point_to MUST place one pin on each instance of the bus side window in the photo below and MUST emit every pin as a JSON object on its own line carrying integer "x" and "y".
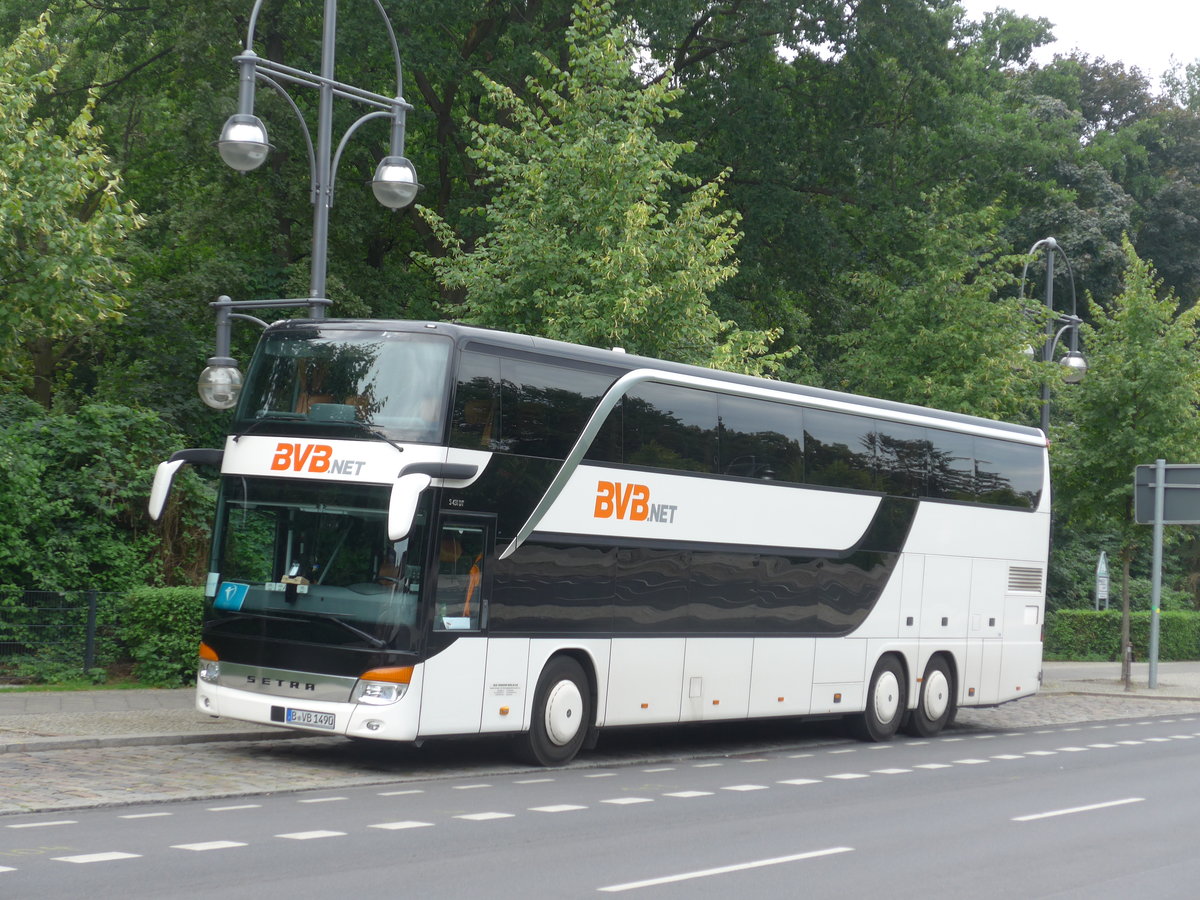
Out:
{"x": 458, "y": 597}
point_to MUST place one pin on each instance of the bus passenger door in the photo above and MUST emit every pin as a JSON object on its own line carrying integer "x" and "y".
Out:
{"x": 451, "y": 693}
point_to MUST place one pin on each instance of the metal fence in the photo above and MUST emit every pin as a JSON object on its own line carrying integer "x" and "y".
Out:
{"x": 56, "y": 629}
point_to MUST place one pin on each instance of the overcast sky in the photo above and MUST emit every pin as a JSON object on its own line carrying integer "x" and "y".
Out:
{"x": 1144, "y": 33}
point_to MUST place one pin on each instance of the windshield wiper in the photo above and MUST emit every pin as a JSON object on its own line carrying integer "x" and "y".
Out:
{"x": 270, "y": 417}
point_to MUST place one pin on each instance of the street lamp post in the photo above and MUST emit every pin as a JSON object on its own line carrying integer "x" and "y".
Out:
{"x": 1073, "y": 362}
{"x": 244, "y": 146}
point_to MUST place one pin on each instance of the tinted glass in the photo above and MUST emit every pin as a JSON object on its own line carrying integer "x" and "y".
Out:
{"x": 839, "y": 450}
{"x": 1008, "y": 474}
{"x": 670, "y": 427}
{"x": 951, "y": 466}
{"x": 475, "y": 422}
{"x": 761, "y": 439}
{"x": 392, "y": 380}
{"x": 902, "y": 458}
{"x": 545, "y": 407}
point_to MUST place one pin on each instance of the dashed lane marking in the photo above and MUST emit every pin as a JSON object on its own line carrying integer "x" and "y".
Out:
{"x": 533, "y": 781}
{"x": 627, "y": 801}
{"x": 890, "y": 771}
{"x": 321, "y": 799}
{"x": 154, "y": 815}
{"x": 43, "y": 824}
{"x": 969, "y": 762}
{"x": 209, "y": 845}
{"x": 1008, "y": 756}
{"x": 401, "y": 826}
{"x": 232, "y": 808}
{"x": 97, "y": 857}
{"x": 556, "y": 808}
{"x": 800, "y": 781}
{"x": 847, "y": 776}
{"x": 689, "y": 794}
{"x": 745, "y": 787}
{"x": 399, "y": 793}
{"x": 310, "y": 835}
{"x": 485, "y": 816}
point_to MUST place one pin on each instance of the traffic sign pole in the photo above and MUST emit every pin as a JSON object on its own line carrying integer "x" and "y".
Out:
{"x": 1160, "y": 491}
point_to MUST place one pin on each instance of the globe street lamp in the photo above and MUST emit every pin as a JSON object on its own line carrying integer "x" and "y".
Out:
{"x": 244, "y": 146}
{"x": 1073, "y": 362}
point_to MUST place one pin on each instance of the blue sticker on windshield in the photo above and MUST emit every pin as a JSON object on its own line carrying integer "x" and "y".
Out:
{"x": 231, "y": 596}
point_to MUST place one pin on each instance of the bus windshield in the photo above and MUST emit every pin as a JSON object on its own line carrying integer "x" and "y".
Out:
{"x": 316, "y": 558}
{"x": 392, "y": 380}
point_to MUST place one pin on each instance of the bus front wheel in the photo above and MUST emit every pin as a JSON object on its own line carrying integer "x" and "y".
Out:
{"x": 885, "y": 703}
{"x": 935, "y": 707}
{"x": 562, "y": 711}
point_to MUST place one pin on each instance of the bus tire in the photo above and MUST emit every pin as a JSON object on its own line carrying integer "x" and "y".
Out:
{"x": 562, "y": 714}
{"x": 935, "y": 707}
{"x": 885, "y": 703}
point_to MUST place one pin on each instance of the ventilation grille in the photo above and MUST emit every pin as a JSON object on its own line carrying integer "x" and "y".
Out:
{"x": 1025, "y": 579}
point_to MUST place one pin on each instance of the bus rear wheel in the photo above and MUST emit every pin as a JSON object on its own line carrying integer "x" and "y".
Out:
{"x": 885, "y": 703}
{"x": 935, "y": 707}
{"x": 562, "y": 712}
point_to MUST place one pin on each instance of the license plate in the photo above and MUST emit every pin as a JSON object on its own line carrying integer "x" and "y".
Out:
{"x": 310, "y": 719}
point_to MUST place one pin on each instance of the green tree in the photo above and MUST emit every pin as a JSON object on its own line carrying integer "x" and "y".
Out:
{"x": 61, "y": 220}
{"x": 940, "y": 332}
{"x": 586, "y": 239}
{"x": 1140, "y": 402}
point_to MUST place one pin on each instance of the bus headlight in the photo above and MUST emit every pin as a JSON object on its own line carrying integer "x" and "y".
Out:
{"x": 210, "y": 665}
{"x": 379, "y": 687}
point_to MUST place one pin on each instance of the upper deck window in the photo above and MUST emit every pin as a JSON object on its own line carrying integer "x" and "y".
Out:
{"x": 329, "y": 377}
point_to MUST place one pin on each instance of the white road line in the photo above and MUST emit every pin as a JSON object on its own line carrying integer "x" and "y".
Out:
{"x": 401, "y": 826}
{"x": 951, "y": 740}
{"x": 626, "y": 801}
{"x": 310, "y": 835}
{"x": 984, "y": 737}
{"x": 1181, "y": 737}
{"x": 969, "y": 762}
{"x": 1157, "y": 740}
{"x": 1071, "y": 749}
{"x": 1008, "y": 756}
{"x": 43, "y": 824}
{"x": 660, "y": 769}
{"x": 707, "y": 765}
{"x": 755, "y": 760}
{"x": 1077, "y": 809}
{"x": 1041, "y": 752}
{"x": 485, "y": 816}
{"x": 689, "y": 794}
{"x": 836, "y": 752}
{"x": 1130, "y": 743}
{"x": 469, "y": 787}
{"x": 7, "y": 869}
{"x": 1073, "y": 729}
{"x": 155, "y": 815}
{"x": 232, "y": 808}
{"x": 800, "y": 756}
{"x": 398, "y": 793}
{"x": 601, "y": 775}
{"x": 890, "y": 771}
{"x": 209, "y": 845}
{"x": 321, "y": 800}
{"x": 932, "y": 766}
{"x": 556, "y": 808}
{"x": 533, "y": 780}
{"x": 847, "y": 776}
{"x": 745, "y": 787}
{"x": 96, "y": 857}
{"x": 722, "y": 870}
{"x": 1102, "y": 746}
{"x": 800, "y": 781}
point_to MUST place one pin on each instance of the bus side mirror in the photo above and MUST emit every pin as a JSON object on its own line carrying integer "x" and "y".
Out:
{"x": 164, "y": 477}
{"x": 403, "y": 505}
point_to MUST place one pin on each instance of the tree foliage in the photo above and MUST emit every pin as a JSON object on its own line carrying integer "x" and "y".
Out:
{"x": 62, "y": 221}
{"x": 587, "y": 241}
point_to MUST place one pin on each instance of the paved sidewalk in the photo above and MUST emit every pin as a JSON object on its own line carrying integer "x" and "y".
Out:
{"x": 44, "y": 720}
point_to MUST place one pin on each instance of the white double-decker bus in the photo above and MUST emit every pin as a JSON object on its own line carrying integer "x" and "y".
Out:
{"x": 428, "y": 529}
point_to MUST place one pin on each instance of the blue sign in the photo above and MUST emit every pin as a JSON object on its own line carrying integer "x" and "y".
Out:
{"x": 231, "y": 595}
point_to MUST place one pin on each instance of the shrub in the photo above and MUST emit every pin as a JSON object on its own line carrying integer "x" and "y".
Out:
{"x": 1091, "y": 634}
{"x": 160, "y": 627}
